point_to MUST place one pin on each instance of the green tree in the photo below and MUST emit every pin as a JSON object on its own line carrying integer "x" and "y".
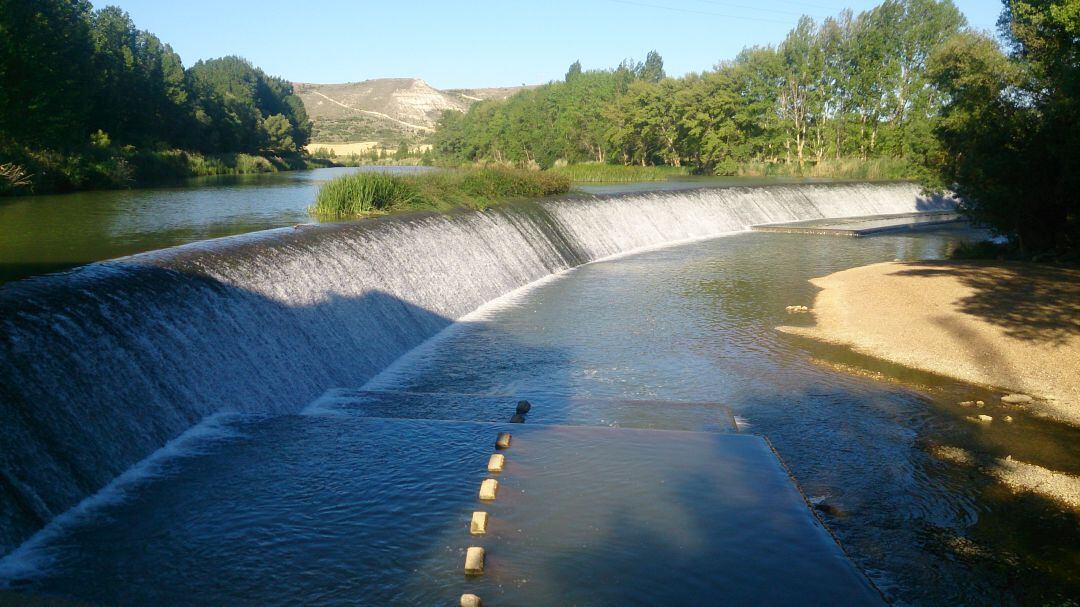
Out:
{"x": 573, "y": 72}
{"x": 1010, "y": 130}
{"x": 45, "y": 53}
{"x": 233, "y": 98}
{"x": 279, "y": 134}
{"x": 653, "y": 69}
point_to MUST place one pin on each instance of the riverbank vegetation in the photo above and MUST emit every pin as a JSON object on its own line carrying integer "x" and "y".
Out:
{"x": 362, "y": 194}
{"x": 596, "y": 172}
{"x": 87, "y": 100}
{"x": 855, "y": 169}
{"x": 850, "y": 89}
{"x": 1010, "y": 127}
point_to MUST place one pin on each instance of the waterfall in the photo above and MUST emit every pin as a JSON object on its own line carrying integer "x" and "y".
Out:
{"x": 102, "y": 365}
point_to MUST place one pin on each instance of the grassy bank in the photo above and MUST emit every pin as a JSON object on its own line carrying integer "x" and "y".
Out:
{"x": 874, "y": 169}
{"x": 372, "y": 193}
{"x": 611, "y": 173}
{"x": 28, "y": 171}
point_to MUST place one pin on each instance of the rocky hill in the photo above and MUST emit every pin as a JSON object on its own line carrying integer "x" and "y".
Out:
{"x": 385, "y": 110}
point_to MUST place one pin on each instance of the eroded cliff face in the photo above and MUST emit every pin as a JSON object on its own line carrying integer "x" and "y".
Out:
{"x": 398, "y": 104}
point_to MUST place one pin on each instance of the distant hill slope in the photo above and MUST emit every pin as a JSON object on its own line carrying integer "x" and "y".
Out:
{"x": 386, "y": 110}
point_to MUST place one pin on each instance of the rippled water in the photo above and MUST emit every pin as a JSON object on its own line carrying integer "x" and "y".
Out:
{"x": 696, "y": 323}
{"x": 291, "y": 508}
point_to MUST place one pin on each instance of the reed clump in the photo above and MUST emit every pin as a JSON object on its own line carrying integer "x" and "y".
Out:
{"x": 872, "y": 169}
{"x": 372, "y": 193}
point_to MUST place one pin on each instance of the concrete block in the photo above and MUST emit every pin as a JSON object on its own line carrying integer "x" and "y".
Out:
{"x": 474, "y": 560}
{"x": 488, "y": 489}
{"x": 478, "y": 525}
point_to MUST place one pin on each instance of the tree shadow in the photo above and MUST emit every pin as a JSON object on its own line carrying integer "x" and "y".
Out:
{"x": 934, "y": 202}
{"x": 1031, "y": 302}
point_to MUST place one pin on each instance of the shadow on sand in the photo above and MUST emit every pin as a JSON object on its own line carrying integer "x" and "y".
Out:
{"x": 1031, "y": 302}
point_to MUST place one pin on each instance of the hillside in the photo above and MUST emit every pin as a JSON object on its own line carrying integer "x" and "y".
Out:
{"x": 384, "y": 110}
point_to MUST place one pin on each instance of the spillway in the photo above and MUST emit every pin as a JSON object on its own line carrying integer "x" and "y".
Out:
{"x": 101, "y": 366}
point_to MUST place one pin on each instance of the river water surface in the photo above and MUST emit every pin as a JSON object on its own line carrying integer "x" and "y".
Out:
{"x": 40, "y": 234}
{"x": 322, "y": 508}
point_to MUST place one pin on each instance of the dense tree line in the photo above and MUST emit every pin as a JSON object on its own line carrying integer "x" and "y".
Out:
{"x": 1010, "y": 126}
{"x": 72, "y": 77}
{"x": 850, "y": 86}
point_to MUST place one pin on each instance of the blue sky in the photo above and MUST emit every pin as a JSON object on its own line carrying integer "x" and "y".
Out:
{"x": 482, "y": 42}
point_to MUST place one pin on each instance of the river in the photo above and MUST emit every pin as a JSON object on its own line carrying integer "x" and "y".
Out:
{"x": 277, "y": 495}
{"x": 41, "y": 234}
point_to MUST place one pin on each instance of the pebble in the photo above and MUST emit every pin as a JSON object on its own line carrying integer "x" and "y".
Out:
{"x": 1016, "y": 399}
{"x": 985, "y": 418}
{"x": 1008, "y": 418}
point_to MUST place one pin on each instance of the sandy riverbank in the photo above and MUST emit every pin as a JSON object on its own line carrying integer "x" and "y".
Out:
{"x": 1009, "y": 326}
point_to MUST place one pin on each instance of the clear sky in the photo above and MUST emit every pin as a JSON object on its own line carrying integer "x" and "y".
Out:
{"x": 459, "y": 44}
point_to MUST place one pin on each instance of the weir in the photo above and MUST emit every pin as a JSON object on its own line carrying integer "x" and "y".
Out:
{"x": 103, "y": 365}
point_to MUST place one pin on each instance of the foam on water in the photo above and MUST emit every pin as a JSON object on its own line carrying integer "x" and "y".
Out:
{"x": 104, "y": 365}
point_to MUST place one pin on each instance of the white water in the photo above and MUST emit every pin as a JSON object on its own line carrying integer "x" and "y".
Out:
{"x": 102, "y": 366}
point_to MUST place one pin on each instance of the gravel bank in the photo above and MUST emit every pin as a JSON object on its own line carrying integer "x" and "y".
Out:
{"x": 1009, "y": 326}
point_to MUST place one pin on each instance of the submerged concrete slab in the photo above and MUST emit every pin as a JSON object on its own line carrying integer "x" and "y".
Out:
{"x": 863, "y": 226}
{"x": 620, "y": 413}
{"x": 584, "y": 515}
{"x": 621, "y": 516}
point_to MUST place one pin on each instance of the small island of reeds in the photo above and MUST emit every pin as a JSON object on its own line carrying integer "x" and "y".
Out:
{"x": 362, "y": 194}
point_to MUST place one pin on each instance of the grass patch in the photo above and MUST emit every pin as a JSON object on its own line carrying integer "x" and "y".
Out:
{"x": 612, "y": 173}
{"x": 874, "y": 169}
{"x": 362, "y": 194}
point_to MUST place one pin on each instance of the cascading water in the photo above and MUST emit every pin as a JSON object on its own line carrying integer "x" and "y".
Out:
{"x": 103, "y": 365}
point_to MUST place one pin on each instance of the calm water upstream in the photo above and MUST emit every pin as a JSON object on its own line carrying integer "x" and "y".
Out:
{"x": 40, "y": 234}
{"x": 339, "y": 506}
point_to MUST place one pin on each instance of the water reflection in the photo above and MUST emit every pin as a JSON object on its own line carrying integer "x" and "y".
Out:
{"x": 40, "y": 234}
